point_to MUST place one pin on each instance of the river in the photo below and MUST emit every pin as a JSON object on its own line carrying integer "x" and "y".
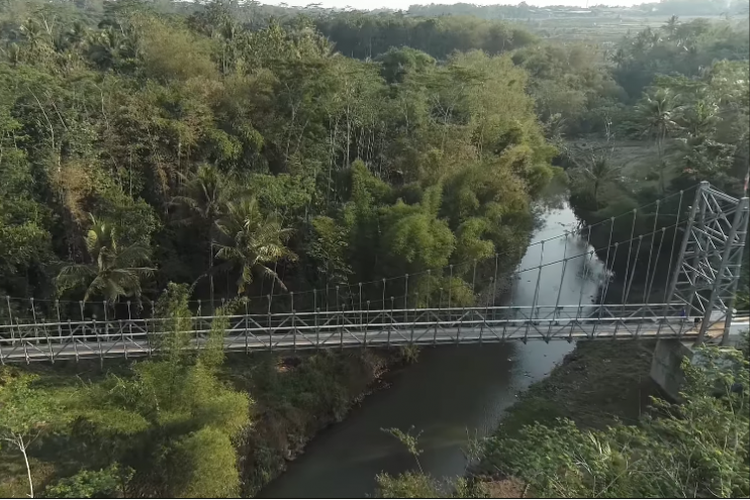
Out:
{"x": 453, "y": 391}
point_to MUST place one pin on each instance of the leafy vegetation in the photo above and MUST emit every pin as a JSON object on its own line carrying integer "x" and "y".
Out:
{"x": 158, "y": 153}
{"x": 242, "y": 160}
{"x": 163, "y": 426}
{"x": 417, "y": 484}
{"x": 25, "y": 416}
{"x": 697, "y": 448}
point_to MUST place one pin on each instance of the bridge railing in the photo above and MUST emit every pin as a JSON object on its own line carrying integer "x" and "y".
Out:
{"x": 325, "y": 329}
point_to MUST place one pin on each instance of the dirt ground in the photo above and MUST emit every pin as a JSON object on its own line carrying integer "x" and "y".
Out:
{"x": 506, "y": 488}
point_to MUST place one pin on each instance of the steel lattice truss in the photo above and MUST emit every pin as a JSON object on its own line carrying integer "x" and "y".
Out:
{"x": 710, "y": 261}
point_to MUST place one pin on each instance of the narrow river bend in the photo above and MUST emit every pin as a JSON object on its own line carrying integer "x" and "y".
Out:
{"x": 450, "y": 391}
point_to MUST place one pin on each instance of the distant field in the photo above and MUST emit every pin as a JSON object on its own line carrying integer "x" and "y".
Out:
{"x": 636, "y": 159}
{"x": 600, "y": 29}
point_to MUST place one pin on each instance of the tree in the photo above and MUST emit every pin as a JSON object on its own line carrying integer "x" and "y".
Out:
{"x": 596, "y": 173}
{"x": 671, "y": 26}
{"x": 205, "y": 197}
{"x": 252, "y": 241}
{"x": 328, "y": 246}
{"x": 656, "y": 115}
{"x": 114, "y": 271}
{"x": 415, "y": 238}
{"x": 172, "y": 420}
{"x": 26, "y": 413}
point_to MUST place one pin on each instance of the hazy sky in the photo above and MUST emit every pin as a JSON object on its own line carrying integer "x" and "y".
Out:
{"x": 403, "y": 4}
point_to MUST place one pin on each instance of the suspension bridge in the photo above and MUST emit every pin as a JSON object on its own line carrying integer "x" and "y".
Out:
{"x": 680, "y": 256}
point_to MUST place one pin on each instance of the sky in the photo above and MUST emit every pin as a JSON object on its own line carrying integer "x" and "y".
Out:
{"x": 404, "y": 4}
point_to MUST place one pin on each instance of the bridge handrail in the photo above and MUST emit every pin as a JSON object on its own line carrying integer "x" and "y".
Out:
{"x": 303, "y": 328}
{"x": 335, "y": 313}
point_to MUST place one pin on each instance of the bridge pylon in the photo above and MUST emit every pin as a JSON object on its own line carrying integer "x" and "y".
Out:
{"x": 707, "y": 271}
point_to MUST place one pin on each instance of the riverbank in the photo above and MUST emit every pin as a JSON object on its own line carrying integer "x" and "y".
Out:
{"x": 596, "y": 385}
{"x": 297, "y": 397}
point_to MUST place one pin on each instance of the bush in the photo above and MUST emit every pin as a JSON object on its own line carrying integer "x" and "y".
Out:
{"x": 104, "y": 483}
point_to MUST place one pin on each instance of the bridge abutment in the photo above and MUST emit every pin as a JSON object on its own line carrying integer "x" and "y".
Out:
{"x": 666, "y": 365}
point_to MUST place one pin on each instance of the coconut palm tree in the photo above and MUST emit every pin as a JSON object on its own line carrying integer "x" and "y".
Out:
{"x": 594, "y": 172}
{"x": 205, "y": 195}
{"x": 671, "y": 27}
{"x": 250, "y": 242}
{"x": 114, "y": 271}
{"x": 656, "y": 118}
{"x": 600, "y": 171}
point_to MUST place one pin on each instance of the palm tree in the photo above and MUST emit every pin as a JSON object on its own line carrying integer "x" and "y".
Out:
{"x": 251, "y": 242}
{"x": 600, "y": 171}
{"x": 205, "y": 196}
{"x": 671, "y": 26}
{"x": 114, "y": 271}
{"x": 594, "y": 173}
{"x": 656, "y": 118}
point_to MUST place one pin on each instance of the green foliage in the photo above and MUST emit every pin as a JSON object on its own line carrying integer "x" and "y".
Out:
{"x": 409, "y": 354}
{"x": 251, "y": 241}
{"x": 288, "y": 195}
{"x": 569, "y": 81}
{"x": 205, "y": 465}
{"x": 26, "y": 413}
{"x": 104, "y": 483}
{"x": 328, "y": 248}
{"x": 357, "y": 34}
{"x": 415, "y": 237}
{"x": 219, "y": 110}
{"x": 172, "y": 420}
{"x": 677, "y": 47}
{"x": 176, "y": 319}
{"x": 115, "y": 270}
{"x": 695, "y": 448}
{"x": 144, "y": 147}
{"x": 406, "y": 485}
{"x": 699, "y": 133}
{"x": 171, "y": 53}
{"x": 745, "y": 344}
{"x": 212, "y": 353}
{"x": 420, "y": 485}
{"x": 410, "y": 441}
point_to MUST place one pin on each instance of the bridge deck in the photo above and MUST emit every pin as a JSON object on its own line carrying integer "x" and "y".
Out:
{"x": 349, "y": 329}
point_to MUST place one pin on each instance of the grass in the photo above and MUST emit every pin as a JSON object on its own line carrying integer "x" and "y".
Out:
{"x": 13, "y": 481}
{"x": 597, "y": 385}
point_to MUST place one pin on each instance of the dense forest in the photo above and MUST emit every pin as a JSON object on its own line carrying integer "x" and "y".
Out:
{"x": 158, "y": 154}
{"x": 233, "y": 159}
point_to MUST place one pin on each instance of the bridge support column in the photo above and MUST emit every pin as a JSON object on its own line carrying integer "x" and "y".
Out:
{"x": 666, "y": 365}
